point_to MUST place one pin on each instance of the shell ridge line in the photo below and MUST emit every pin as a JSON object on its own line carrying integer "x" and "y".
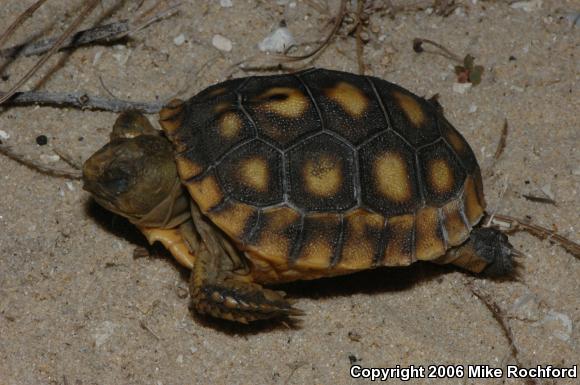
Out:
{"x": 382, "y": 245}
{"x": 380, "y": 102}
{"x": 418, "y": 179}
{"x": 414, "y": 238}
{"x": 252, "y": 232}
{"x": 240, "y": 105}
{"x": 312, "y": 100}
{"x": 297, "y": 244}
{"x": 218, "y": 161}
{"x": 337, "y": 254}
{"x": 441, "y": 224}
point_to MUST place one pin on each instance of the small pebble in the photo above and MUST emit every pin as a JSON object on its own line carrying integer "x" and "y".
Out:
{"x": 222, "y": 43}
{"x": 193, "y": 349}
{"x": 278, "y": 41}
{"x": 49, "y": 158}
{"x": 179, "y": 40}
{"x": 179, "y": 359}
{"x": 4, "y": 135}
{"x": 547, "y": 189}
{"x": 41, "y": 140}
{"x": 70, "y": 186}
{"x": 528, "y": 6}
{"x": 562, "y": 331}
{"x": 226, "y": 3}
{"x": 461, "y": 88}
{"x": 472, "y": 108}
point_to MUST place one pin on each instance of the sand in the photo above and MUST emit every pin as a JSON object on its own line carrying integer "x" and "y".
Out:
{"x": 76, "y": 307}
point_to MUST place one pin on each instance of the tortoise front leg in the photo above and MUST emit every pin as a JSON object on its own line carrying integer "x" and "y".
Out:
{"x": 174, "y": 240}
{"x": 233, "y": 297}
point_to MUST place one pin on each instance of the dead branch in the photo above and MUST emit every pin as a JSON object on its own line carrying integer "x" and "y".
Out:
{"x": 57, "y": 45}
{"x": 40, "y": 167}
{"x": 511, "y": 224}
{"x": 80, "y": 100}
{"x": 101, "y": 34}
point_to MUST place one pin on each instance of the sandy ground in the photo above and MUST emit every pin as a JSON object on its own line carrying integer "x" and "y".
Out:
{"x": 77, "y": 308}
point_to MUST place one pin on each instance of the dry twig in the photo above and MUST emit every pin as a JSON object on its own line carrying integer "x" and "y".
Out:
{"x": 498, "y": 315}
{"x": 35, "y": 165}
{"x": 359, "y": 42}
{"x": 502, "y": 141}
{"x": 19, "y": 21}
{"x": 74, "y": 25}
{"x": 82, "y": 101}
{"x": 510, "y": 224}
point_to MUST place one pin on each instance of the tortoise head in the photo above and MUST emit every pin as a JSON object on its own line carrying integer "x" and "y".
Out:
{"x": 135, "y": 172}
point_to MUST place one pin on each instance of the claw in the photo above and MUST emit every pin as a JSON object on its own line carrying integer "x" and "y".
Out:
{"x": 242, "y": 302}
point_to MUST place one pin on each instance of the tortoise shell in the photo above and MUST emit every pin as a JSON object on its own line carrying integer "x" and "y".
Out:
{"x": 323, "y": 172}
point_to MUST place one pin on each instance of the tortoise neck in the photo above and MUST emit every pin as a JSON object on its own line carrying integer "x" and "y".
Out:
{"x": 169, "y": 213}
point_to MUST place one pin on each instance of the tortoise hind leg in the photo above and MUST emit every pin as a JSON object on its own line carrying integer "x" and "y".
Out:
{"x": 487, "y": 251}
{"x": 231, "y": 297}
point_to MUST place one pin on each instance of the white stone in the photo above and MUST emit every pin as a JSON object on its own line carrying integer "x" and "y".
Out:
{"x": 103, "y": 332}
{"x": 278, "y": 41}
{"x": 564, "y": 331}
{"x": 222, "y": 43}
{"x": 226, "y": 3}
{"x": 472, "y": 108}
{"x": 179, "y": 40}
{"x": 528, "y": 6}
{"x": 547, "y": 189}
{"x": 461, "y": 88}
{"x": 49, "y": 158}
{"x": 4, "y": 135}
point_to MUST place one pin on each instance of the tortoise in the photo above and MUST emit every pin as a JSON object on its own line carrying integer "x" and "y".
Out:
{"x": 270, "y": 179}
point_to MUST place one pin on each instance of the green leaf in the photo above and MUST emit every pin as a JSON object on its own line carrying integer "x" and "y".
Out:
{"x": 468, "y": 61}
{"x": 475, "y": 75}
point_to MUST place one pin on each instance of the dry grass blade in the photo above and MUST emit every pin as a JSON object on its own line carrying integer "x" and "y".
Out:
{"x": 324, "y": 44}
{"x": 511, "y": 224}
{"x": 418, "y": 47}
{"x": 502, "y": 140}
{"x": 19, "y": 21}
{"x": 158, "y": 11}
{"x": 359, "y": 42}
{"x": 35, "y": 165}
{"x": 66, "y": 34}
{"x": 498, "y": 315}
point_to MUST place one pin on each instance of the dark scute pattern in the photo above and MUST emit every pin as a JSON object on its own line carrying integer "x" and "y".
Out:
{"x": 201, "y": 129}
{"x": 387, "y": 142}
{"x": 440, "y": 150}
{"x": 322, "y": 146}
{"x": 416, "y": 136}
{"x": 280, "y": 130}
{"x": 465, "y": 153}
{"x": 321, "y": 228}
{"x": 335, "y": 118}
{"x": 214, "y": 93}
{"x": 233, "y": 182}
